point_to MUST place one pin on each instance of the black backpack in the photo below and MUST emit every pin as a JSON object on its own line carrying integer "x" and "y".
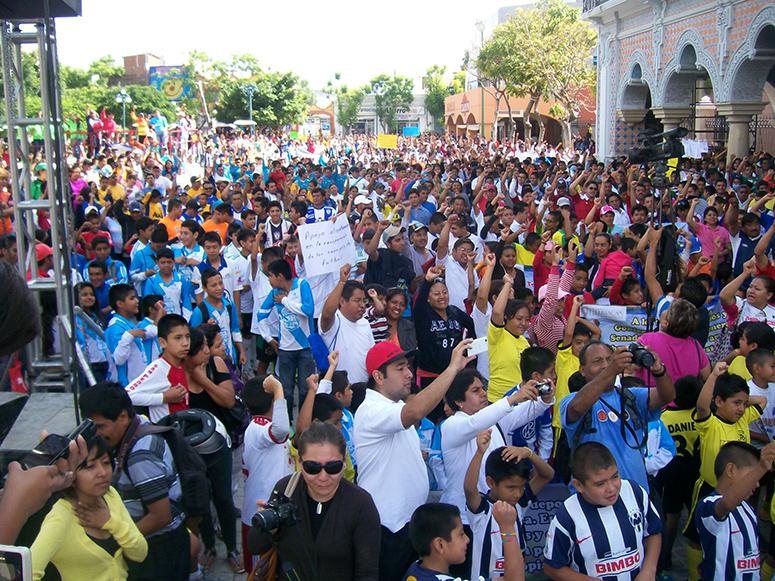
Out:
{"x": 192, "y": 471}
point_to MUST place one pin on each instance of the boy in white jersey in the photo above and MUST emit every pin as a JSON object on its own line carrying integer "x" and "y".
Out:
{"x": 761, "y": 365}
{"x": 608, "y": 530}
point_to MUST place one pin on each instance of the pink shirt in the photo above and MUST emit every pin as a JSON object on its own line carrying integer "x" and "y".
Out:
{"x": 611, "y": 266}
{"x": 706, "y": 235}
{"x": 681, "y": 356}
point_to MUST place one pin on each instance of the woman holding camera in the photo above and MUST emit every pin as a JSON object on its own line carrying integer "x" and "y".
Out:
{"x": 88, "y": 533}
{"x": 336, "y": 535}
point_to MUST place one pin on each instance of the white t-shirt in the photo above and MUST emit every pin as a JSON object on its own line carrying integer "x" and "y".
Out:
{"x": 750, "y": 313}
{"x": 240, "y": 266}
{"x": 260, "y": 289}
{"x": 264, "y": 461}
{"x": 352, "y": 341}
{"x": 390, "y": 464}
{"x": 481, "y": 322}
{"x": 766, "y": 423}
{"x": 456, "y": 278}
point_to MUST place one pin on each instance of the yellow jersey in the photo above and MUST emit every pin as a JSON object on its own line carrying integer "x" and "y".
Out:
{"x": 715, "y": 432}
{"x": 565, "y": 365}
{"x": 680, "y": 424}
{"x": 738, "y": 367}
{"x": 504, "y": 351}
{"x": 524, "y": 256}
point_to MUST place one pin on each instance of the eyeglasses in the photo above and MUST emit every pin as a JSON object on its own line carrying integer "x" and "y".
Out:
{"x": 312, "y": 468}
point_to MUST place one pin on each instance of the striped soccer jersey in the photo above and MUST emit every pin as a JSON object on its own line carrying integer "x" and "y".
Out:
{"x": 730, "y": 547}
{"x": 605, "y": 542}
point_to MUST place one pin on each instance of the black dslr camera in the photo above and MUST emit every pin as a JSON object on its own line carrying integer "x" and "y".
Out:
{"x": 641, "y": 356}
{"x": 279, "y": 510}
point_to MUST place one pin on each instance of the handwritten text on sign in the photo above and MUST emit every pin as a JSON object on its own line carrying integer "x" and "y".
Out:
{"x": 327, "y": 246}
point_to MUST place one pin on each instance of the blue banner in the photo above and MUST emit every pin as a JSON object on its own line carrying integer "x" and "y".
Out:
{"x": 410, "y": 131}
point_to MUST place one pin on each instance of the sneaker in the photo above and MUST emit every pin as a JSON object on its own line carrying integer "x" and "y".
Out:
{"x": 235, "y": 562}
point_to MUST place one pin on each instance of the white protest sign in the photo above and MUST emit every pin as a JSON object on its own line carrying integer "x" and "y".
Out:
{"x": 327, "y": 246}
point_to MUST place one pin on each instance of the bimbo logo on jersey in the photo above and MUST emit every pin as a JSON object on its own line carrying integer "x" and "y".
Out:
{"x": 618, "y": 564}
{"x": 748, "y": 563}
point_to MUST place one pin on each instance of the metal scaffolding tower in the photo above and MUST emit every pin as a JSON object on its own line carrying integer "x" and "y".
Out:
{"x": 56, "y": 370}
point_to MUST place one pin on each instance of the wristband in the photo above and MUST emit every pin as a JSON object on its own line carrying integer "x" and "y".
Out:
{"x": 662, "y": 374}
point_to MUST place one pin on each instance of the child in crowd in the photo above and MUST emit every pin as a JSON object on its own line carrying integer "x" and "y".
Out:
{"x": 734, "y": 411}
{"x": 761, "y": 365}
{"x": 727, "y": 524}
{"x": 750, "y": 335}
{"x": 123, "y": 336}
{"x": 607, "y": 529}
{"x": 142, "y": 238}
{"x": 675, "y": 482}
{"x": 213, "y": 260}
{"x": 216, "y": 308}
{"x": 151, "y": 310}
{"x": 97, "y": 275}
{"x": 375, "y": 312}
{"x": 189, "y": 254}
{"x": 339, "y": 387}
{"x": 116, "y": 271}
{"x": 507, "y": 471}
{"x": 269, "y": 328}
{"x": 177, "y": 293}
{"x": 87, "y": 325}
{"x": 266, "y": 456}
{"x": 143, "y": 263}
{"x": 162, "y": 389}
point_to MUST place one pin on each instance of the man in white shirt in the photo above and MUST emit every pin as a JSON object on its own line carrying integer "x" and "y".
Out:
{"x": 390, "y": 463}
{"x": 458, "y": 263}
{"x": 344, "y": 328}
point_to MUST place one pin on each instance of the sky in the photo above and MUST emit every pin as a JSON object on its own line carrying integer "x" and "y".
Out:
{"x": 356, "y": 38}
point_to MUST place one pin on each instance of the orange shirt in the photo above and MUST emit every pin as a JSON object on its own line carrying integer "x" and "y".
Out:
{"x": 172, "y": 226}
{"x": 222, "y": 229}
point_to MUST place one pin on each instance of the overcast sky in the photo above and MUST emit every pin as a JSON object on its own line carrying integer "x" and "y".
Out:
{"x": 357, "y": 38}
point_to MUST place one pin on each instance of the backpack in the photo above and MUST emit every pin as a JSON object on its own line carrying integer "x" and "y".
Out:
{"x": 192, "y": 471}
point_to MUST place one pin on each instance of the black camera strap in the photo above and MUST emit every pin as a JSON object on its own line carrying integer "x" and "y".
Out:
{"x": 629, "y": 410}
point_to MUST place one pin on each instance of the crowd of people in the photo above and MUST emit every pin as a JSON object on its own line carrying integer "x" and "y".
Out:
{"x": 395, "y": 419}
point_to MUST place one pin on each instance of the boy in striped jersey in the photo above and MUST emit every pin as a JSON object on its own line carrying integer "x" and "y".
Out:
{"x": 608, "y": 530}
{"x": 726, "y": 523}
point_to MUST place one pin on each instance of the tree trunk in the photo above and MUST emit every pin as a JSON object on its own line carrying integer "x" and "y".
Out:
{"x": 567, "y": 138}
{"x": 511, "y": 132}
{"x": 541, "y": 128}
{"x": 494, "y": 132}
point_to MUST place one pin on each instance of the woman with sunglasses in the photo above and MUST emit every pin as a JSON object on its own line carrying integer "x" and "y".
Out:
{"x": 337, "y": 535}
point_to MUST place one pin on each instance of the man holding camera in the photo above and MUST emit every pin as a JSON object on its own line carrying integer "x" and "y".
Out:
{"x": 603, "y": 411}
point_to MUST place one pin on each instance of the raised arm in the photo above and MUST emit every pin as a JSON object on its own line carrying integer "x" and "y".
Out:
{"x": 471, "y": 480}
{"x": 650, "y": 268}
{"x": 332, "y": 302}
{"x": 728, "y": 293}
{"x": 732, "y": 216}
{"x": 499, "y": 306}
{"x": 573, "y": 318}
{"x": 594, "y": 389}
{"x": 483, "y": 292}
{"x": 442, "y": 248}
{"x": 741, "y": 486}
{"x": 702, "y": 410}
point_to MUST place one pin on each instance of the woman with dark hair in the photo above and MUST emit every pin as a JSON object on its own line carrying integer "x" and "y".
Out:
{"x": 756, "y": 306}
{"x": 89, "y": 533}
{"x": 400, "y": 329}
{"x": 337, "y": 533}
{"x": 506, "y": 260}
{"x": 210, "y": 389}
{"x": 681, "y": 353}
{"x": 86, "y": 331}
{"x": 439, "y": 326}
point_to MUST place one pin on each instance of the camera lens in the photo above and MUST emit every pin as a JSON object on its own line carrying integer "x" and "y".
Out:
{"x": 266, "y": 520}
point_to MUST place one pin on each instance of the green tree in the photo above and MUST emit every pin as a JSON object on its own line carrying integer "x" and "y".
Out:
{"x": 458, "y": 83}
{"x": 106, "y": 71}
{"x": 494, "y": 66}
{"x": 391, "y": 94}
{"x": 279, "y": 99}
{"x": 348, "y": 100}
{"x": 436, "y": 90}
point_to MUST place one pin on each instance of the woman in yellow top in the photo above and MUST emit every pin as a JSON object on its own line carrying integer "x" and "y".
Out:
{"x": 506, "y": 341}
{"x": 88, "y": 533}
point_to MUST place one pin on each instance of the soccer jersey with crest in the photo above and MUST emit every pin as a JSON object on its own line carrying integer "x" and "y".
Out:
{"x": 605, "y": 542}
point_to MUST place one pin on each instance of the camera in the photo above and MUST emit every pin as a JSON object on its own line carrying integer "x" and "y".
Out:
{"x": 278, "y": 511}
{"x": 641, "y": 356}
{"x": 544, "y": 388}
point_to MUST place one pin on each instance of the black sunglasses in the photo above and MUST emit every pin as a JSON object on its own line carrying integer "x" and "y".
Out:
{"x": 312, "y": 468}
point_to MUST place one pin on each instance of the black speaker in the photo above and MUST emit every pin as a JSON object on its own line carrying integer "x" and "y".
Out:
{"x": 11, "y": 405}
{"x": 29, "y": 9}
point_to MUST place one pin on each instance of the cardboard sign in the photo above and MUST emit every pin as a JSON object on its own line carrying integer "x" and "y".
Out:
{"x": 327, "y": 246}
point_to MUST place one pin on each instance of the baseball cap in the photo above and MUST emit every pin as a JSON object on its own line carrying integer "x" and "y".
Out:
{"x": 42, "y": 251}
{"x": 416, "y": 226}
{"x": 195, "y": 179}
{"x": 605, "y": 209}
{"x": 91, "y": 209}
{"x": 391, "y": 232}
{"x": 561, "y": 294}
{"x": 361, "y": 199}
{"x": 563, "y": 202}
{"x": 383, "y": 353}
{"x": 135, "y": 207}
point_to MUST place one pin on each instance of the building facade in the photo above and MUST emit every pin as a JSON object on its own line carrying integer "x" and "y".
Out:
{"x": 705, "y": 65}
{"x": 416, "y": 115}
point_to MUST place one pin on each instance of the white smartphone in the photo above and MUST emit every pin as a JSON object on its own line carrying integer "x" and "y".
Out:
{"x": 478, "y": 346}
{"x": 15, "y": 563}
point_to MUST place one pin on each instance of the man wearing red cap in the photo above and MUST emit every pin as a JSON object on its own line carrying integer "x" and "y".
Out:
{"x": 390, "y": 463}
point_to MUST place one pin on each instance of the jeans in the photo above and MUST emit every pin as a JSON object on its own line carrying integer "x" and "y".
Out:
{"x": 294, "y": 367}
{"x": 219, "y": 475}
{"x": 169, "y": 558}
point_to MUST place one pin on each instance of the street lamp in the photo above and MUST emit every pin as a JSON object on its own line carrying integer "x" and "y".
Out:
{"x": 123, "y": 98}
{"x": 250, "y": 89}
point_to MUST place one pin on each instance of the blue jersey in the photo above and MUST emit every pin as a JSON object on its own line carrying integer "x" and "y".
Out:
{"x": 295, "y": 313}
{"x": 178, "y": 294}
{"x": 227, "y": 319}
{"x": 319, "y": 214}
{"x": 128, "y": 352}
{"x": 605, "y": 426}
{"x": 417, "y": 572}
{"x": 151, "y": 347}
{"x": 187, "y": 271}
{"x": 143, "y": 260}
{"x": 604, "y": 542}
{"x": 730, "y": 546}
{"x": 116, "y": 271}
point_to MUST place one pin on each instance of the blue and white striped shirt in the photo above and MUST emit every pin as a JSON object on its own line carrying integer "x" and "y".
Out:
{"x": 605, "y": 542}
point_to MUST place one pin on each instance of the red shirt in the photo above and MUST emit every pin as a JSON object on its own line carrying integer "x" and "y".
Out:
{"x": 177, "y": 375}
